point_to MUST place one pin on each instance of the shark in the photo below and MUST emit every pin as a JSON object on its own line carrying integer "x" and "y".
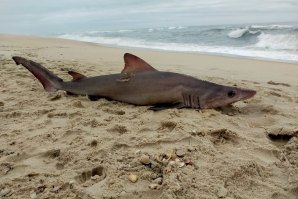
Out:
{"x": 141, "y": 84}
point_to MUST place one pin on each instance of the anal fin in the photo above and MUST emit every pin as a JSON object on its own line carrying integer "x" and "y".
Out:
{"x": 76, "y": 76}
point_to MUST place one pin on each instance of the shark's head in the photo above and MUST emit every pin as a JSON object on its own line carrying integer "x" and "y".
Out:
{"x": 224, "y": 95}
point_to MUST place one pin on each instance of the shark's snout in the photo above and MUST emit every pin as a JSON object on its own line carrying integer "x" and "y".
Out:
{"x": 248, "y": 94}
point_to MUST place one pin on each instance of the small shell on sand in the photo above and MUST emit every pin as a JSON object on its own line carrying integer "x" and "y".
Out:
{"x": 138, "y": 152}
{"x": 133, "y": 178}
{"x": 171, "y": 155}
{"x": 154, "y": 186}
{"x": 158, "y": 181}
{"x": 145, "y": 159}
{"x": 179, "y": 163}
{"x": 180, "y": 152}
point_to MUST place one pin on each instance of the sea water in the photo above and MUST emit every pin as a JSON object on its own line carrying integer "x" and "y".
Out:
{"x": 269, "y": 41}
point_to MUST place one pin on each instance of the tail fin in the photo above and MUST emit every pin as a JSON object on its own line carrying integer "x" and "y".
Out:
{"x": 49, "y": 80}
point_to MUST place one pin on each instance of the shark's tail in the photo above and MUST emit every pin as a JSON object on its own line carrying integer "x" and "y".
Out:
{"x": 49, "y": 80}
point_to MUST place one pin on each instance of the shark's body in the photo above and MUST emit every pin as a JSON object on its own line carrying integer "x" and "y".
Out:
{"x": 141, "y": 84}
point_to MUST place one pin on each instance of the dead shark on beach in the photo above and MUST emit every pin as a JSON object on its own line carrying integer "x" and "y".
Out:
{"x": 141, "y": 84}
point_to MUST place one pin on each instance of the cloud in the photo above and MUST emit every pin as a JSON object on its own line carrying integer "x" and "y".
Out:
{"x": 72, "y": 15}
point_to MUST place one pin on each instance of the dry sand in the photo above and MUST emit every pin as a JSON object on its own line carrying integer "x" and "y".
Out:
{"x": 58, "y": 146}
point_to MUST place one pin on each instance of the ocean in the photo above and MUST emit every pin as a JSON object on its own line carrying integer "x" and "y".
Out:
{"x": 270, "y": 42}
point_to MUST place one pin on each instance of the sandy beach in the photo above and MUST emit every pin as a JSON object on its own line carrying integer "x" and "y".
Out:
{"x": 53, "y": 145}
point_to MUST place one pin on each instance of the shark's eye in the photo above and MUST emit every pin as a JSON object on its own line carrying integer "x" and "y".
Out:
{"x": 231, "y": 94}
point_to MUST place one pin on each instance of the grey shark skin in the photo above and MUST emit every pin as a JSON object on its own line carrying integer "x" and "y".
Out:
{"x": 141, "y": 84}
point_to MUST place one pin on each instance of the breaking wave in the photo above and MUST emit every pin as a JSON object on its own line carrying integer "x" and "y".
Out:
{"x": 241, "y": 32}
{"x": 278, "y": 41}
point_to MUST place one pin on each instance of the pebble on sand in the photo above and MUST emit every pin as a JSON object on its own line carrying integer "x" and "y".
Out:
{"x": 145, "y": 159}
{"x": 133, "y": 178}
{"x": 158, "y": 181}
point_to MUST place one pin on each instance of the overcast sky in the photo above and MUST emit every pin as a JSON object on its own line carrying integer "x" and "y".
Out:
{"x": 61, "y": 16}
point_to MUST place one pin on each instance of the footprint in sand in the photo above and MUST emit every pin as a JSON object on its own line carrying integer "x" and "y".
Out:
{"x": 168, "y": 125}
{"x": 246, "y": 171}
{"x": 285, "y": 138}
{"x": 114, "y": 112}
{"x": 269, "y": 109}
{"x": 118, "y": 129}
{"x": 223, "y": 136}
{"x": 281, "y": 135}
{"x": 53, "y": 153}
{"x": 97, "y": 173}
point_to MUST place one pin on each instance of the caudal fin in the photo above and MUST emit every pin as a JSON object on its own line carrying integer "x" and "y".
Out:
{"x": 49, "y": 80}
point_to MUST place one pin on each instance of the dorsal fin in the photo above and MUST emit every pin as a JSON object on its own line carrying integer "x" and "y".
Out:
{"x": 76, "y": 75}
{"x": 135, "y": 64}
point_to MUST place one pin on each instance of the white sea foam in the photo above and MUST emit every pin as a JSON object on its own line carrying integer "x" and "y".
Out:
{"x": 278, "y": 42}
{"x": 175, "y": 27}
{"x": 270, "y": 27}
{"x": 237, "y": 33}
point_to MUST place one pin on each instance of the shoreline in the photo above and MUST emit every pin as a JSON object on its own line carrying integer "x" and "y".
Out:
{"x": 189, "y": 52}
{"x": 192, "y": 52}
{"x": 54, "y": 145}
{"x": 161, "y": 50}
